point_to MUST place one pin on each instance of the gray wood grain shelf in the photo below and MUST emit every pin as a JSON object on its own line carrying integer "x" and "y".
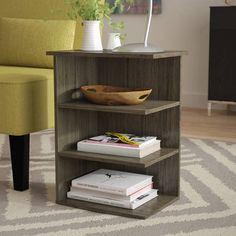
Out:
{"x": 121, "y": 160}
{"x": 159, "y": 116}
{"x": 110, "y": 54}
{"x": 141, "y": 212}
{"x": 148, "y": 107}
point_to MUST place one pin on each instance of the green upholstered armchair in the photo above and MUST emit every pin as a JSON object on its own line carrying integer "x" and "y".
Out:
{"x": 26, "y": 83}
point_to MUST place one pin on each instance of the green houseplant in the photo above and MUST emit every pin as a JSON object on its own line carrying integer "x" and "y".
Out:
{"x": 92, "y": 13}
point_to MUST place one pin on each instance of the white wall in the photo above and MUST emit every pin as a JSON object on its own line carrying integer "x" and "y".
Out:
{"x": 183, "y": 24}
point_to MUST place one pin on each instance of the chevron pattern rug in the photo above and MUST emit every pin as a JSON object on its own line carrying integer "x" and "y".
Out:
{"x": 207, "y": 205}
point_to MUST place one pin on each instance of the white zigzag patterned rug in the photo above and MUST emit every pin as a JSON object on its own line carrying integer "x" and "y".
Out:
{"x": 207, "y": 205}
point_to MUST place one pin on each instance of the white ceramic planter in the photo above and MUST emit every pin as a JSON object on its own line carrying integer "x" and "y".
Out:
{"x": 91, "y": 36}
{"x": 113, "y": 41}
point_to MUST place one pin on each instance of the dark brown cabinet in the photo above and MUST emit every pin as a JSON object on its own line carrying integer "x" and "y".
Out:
{"x": 222, "y": 57}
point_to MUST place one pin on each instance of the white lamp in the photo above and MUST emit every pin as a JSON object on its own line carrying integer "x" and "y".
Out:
{"x": 141, "y": 47}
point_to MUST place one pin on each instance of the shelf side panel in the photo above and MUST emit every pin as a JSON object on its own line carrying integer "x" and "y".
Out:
{"x": 164, "y": 125}
{"x": 74, "y": 126}
{"x": 71, "y": 73}
{"x": 166, "y": 175}
{"x": 68, "y": 169}
{"x": 112, "y": 71}
{"x": 64, "y": 78}
{"x": 162, "y": 75}
{"x": 71, "y": 126}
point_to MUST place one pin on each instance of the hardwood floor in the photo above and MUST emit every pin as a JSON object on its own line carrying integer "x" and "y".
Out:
{"x": 221, "y": 125}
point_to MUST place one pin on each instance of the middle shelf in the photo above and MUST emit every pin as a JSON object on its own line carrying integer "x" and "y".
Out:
{"x": 144, "y": 162}
{"x": 146, "y": 108}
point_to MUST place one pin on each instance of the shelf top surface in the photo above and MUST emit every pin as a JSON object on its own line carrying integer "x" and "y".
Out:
{"x": 144, "y": 211}
{"x": 144, "y": 162}
{"x": 110, "y": 54}
{"x": 145, "y": 108}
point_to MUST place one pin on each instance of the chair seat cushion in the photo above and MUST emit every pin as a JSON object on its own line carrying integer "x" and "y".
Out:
{"x": 26, "y": 100}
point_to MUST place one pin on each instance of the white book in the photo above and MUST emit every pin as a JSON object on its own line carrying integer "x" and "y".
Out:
{"x": 130, "y": 205}
{"x": 144, "y": 198}
{"x": 113, "y": 181}
{"x": 83, "y": 146}
{"x": 127, "y": 145}
{"x": 109, "y": 196}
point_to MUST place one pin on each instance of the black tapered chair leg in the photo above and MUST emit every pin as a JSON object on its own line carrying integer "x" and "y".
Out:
{"x": 19, "y": 146}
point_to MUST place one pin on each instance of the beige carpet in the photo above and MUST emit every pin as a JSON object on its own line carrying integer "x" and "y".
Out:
{"x": 207, "y": 205}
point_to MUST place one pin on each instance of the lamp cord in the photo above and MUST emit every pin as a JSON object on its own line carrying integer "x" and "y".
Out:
{"x": 149, "y": 19}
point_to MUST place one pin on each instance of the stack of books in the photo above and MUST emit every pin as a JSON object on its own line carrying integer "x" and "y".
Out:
{"x": 115, "y": 188}
{"x": 120, "y": 144}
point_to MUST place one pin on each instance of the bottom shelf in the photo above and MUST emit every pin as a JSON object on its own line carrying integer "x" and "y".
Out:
{"x": 141, "y": 212}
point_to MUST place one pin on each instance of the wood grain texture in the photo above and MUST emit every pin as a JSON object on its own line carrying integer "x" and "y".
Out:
{"x": 164, "y": 125}
{"x": 109, "y": 54}
{"x": 70, "y": 126}
{"x": 120, "y": 160}
{"x": 159, "y": 116}
{"x": 162, "y": 75}
{"x": 146, "y": 108}
{"x": 166, "y": 175}
{"x": 141, "y": 212}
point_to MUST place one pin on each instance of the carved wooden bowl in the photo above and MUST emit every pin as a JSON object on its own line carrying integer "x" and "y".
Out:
{"x": 109, "y": 95}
